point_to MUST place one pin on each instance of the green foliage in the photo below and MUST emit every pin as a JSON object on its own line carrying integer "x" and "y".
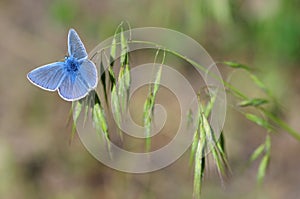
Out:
{"x": 263, "y": 150}
{"x": 76, "y": 110}
{"x": 91, "y": 104}
{"x": 259, "y": 121}
{"x": 204, "y": 140}
{"x": 258, "y": 151}
{"x": 237, "y": 65}
{"x": 253, "y": 102}
{"x": 199, "y": 167}
{"x": 99, "y": 118}
{"x": 124, "y": 74}
{"x": 150, "y": 101}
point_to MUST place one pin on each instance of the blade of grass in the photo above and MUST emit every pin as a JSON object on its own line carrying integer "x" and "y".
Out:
{"x": 199, "y": 170}
{"x": 195, "y": 139}
{"x": 124, "y": 73}
{"x": 253, "y": 102}
{"x": 262, "y": 169}
{"x": 103, "y": 80}
{"x": 282, "y": 124}
{"x": 115, "y": 105}
{"x": 258, "y": 151}
{"x": 259, "y": 121}
{"x": 210, "y": 105}
{"x": 75, "y": 110}
{"x": 211, "y": 144}
{"x": 199, "y": 161}
{"x": 217, "y": 146}
{"x": 237, "y": 65}
{"x": 100, "y": 123}
{"x": 147, "y": 118}
{"x": 149, "y": 103}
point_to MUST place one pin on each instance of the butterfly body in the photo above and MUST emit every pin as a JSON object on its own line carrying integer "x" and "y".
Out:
{"x": 73, "y": 78}
{"x": 72, "y": 64}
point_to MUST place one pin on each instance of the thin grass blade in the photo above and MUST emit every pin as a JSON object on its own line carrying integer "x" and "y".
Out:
{"x": 258, "y": 151}
{"x": 262, "y": 169}
{"x": 253, "y": 102}
{"x": 237, "y": 65}
{"x": 259, "y": 121}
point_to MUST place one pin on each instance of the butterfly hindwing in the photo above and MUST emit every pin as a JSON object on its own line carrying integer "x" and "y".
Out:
{"x": 73, "y": 88}
{"x": 48, "y": 77}
{"x": 76, "y": 86}
{"x": 75, "y": 46}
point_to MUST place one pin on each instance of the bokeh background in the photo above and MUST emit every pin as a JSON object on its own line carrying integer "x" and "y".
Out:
{"x": 36, "y": 158}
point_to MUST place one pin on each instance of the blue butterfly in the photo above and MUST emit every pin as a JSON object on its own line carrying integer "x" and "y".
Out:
{"x": 73, "y": 78}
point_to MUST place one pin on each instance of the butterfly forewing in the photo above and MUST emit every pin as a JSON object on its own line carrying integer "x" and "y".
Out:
{"x": 75, "y": 46}
{"x": 88, "y": 73}
{"x": 48, "y": 77}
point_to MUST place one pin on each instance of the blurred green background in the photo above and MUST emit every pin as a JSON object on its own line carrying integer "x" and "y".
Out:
{"x": 36, "y": 159}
